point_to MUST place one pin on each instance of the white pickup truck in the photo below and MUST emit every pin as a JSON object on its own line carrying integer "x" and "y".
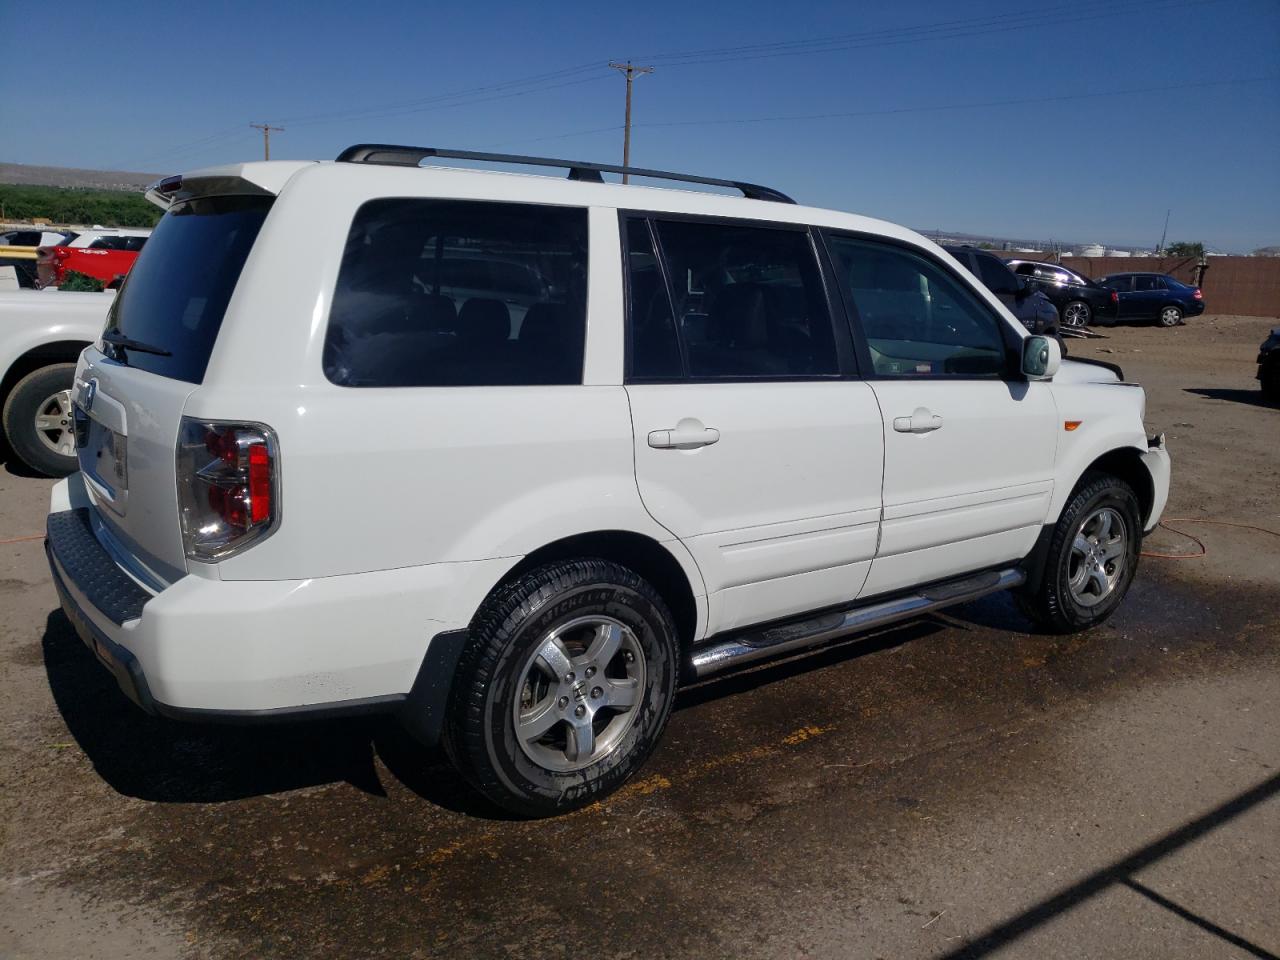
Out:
{"x": 41, "y": 335}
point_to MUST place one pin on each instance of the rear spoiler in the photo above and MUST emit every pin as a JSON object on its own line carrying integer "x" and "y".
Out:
{"x": 264, "y": 179}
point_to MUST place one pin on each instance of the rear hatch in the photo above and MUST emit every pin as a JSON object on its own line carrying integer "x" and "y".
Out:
{"x": 134, "y": 383}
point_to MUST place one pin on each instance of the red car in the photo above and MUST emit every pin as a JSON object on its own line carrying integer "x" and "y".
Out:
{"x": 101, "y": 254}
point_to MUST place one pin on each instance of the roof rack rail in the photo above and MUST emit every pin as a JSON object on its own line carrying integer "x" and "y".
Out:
{"x": 402, "y": 156}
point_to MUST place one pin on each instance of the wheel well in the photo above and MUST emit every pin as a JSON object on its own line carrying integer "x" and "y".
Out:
{"x": 1126, "y": 464}
{"x": 644, "y": 555}
{"x": 60, "y": 351}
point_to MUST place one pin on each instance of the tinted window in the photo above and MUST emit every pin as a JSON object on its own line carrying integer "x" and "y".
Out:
{"x": 996, "y": 275}
{"x": 113, "y": 243}
{"x": 1025, "y": 269}
{"x": 655, "y": 349}
{"x": 919, "y": 321}
{"x": 1147, "y": 282}
{"x": 459, "y": 293}
{"x": 179, "y": 286}
{"x": 748, "y": 300}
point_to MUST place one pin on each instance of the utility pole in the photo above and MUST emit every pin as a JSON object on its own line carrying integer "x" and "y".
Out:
{"x": 631, "y": 73}
{"x": 266, "y": 137}
{"x": 1164, "y": 233}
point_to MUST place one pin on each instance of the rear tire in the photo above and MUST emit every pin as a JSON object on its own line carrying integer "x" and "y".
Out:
{"x": 1092, "y": 557}
{"x": 1169, "y": 316}
{"x": 563, "y": 688}
{"x": 38, "y": 423}
{"x": 1076, "y": 314}
{"x": 1270, "y": 381}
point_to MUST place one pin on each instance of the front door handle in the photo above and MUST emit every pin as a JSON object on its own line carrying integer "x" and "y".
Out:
{"x": 923, "y": 420}
{"x": 688, "y": 434}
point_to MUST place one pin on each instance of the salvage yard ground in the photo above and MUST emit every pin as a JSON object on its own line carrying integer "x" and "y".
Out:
{"x": 953, "y": 787}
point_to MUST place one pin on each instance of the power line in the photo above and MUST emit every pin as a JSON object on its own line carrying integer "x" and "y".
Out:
{"x": 891, "y": 111}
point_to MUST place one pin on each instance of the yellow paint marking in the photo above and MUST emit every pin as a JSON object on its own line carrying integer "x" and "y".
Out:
{"x": 805, "y": 733}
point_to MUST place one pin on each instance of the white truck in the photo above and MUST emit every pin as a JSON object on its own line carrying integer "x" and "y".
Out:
{"x": 41, "y": 335}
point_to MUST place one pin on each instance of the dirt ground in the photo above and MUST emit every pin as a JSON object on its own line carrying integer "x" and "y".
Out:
{"x": 960, "y": 786}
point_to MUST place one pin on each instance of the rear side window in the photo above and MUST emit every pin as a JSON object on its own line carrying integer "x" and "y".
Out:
{"x": 459, "y": 293}
{"x": 747, "y": 301}
{"x": 995, "y": 275}
{"x": 1144, "y": 282}
{"x": 181, "y": 282}
{"x": 919, "y": 321}
{"x": 1118, "y": 284}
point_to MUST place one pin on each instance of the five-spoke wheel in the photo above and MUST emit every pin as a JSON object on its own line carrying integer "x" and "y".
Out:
{"x": 578, "y": 692}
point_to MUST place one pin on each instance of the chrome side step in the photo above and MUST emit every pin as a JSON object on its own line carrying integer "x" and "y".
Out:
{"x": 748, "y": 646}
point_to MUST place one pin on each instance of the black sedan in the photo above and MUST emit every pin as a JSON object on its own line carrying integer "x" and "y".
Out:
{"x": 1154, "y": 296}
{"x": 1079, "y": 300}
{"x": 1269, "y": 366}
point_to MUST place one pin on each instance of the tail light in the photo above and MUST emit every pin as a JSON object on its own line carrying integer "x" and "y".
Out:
{"x": 1197, "y": 295}
{"x": 228, "y": 486}
{"x": 1115, "y": 297}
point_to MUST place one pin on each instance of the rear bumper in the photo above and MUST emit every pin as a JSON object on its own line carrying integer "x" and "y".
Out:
{"x": 1156, "y": 460}
{"x": 208, "y": 649}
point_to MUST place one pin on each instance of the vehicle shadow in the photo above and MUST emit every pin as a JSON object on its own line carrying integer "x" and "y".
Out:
{"x": 1254, "y": 398}
{"x": 166, "y": 761}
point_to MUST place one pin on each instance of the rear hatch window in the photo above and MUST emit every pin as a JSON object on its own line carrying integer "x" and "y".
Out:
{"x": 177, "y": 292}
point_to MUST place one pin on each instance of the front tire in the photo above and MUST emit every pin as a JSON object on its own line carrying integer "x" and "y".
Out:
{"x": 1170, "y": 316}
{"x": 1076, "y": 314}
{"x": 563, "y": 688}
{"x": 1092, "y": 557}
{"x": 38, "y": 423}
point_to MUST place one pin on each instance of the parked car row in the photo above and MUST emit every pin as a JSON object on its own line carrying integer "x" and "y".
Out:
{"x": 101, "y": 253}
{"x": 43, "y": 258}
{"x": 1117, "y": 297}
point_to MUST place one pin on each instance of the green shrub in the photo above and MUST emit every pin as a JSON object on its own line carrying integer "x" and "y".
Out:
{"x": 81, "y": 282}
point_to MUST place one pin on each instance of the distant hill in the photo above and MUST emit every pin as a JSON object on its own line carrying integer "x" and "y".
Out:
{"x": 31, "y": 175}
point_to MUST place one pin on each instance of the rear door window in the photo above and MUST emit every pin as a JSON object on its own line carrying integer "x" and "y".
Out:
{"x": 747, "y": 301}
{"x": 459, "y": 293}
{"x": 182, "y": 281}
{"x": 995, "y": 275}
{"x": 1145, "y": 283}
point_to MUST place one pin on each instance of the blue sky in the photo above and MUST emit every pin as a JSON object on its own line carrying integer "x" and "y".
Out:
{"x": 1188, "y": 115}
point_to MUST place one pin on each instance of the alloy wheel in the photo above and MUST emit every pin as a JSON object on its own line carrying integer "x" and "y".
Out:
{"x": 1099, "y": 554}
{"x": 579, "y": 693}
{"x": 1075, "y": 315}
{"x": 54, "y": 424}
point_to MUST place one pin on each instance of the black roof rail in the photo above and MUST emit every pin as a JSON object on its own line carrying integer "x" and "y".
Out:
{"x": 402, "y": 156}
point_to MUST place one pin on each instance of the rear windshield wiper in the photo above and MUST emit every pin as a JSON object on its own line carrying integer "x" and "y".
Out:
{"x": 120, "y": 340}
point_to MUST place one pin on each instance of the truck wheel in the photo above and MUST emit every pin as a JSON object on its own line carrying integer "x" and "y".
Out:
{"x": 37, "y": 420}
{"x": 563, "y": 687}
{"x": 1093, "y": 556}
{"x": 1076, "y": 314}
{"x": 1170, "y": 316}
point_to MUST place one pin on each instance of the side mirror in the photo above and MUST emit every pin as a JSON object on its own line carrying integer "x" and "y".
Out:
{"x": 1041, "y": 357}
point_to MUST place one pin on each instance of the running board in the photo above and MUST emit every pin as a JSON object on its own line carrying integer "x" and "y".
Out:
{"x": 748, "y": 646}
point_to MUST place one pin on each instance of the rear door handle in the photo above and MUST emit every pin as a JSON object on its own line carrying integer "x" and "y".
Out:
{"x": 688, "y": 434}
{"x": 923, "y": 420}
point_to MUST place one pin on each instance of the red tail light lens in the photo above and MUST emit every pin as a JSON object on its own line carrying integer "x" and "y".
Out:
{"x": 1115, "y": 297}
{"x": 228, "y": 486}
{"x": 1197, "y": 295}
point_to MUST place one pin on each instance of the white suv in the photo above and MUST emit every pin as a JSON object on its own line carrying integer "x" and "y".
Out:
{"x": 653, "y": 434}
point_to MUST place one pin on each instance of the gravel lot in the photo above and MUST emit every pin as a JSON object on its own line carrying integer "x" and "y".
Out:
{"x": 953, "y": 787}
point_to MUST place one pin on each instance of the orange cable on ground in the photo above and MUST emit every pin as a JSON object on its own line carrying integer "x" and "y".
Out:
{"x": 1200, "y": 543}
{"x": 34, "y": 536}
